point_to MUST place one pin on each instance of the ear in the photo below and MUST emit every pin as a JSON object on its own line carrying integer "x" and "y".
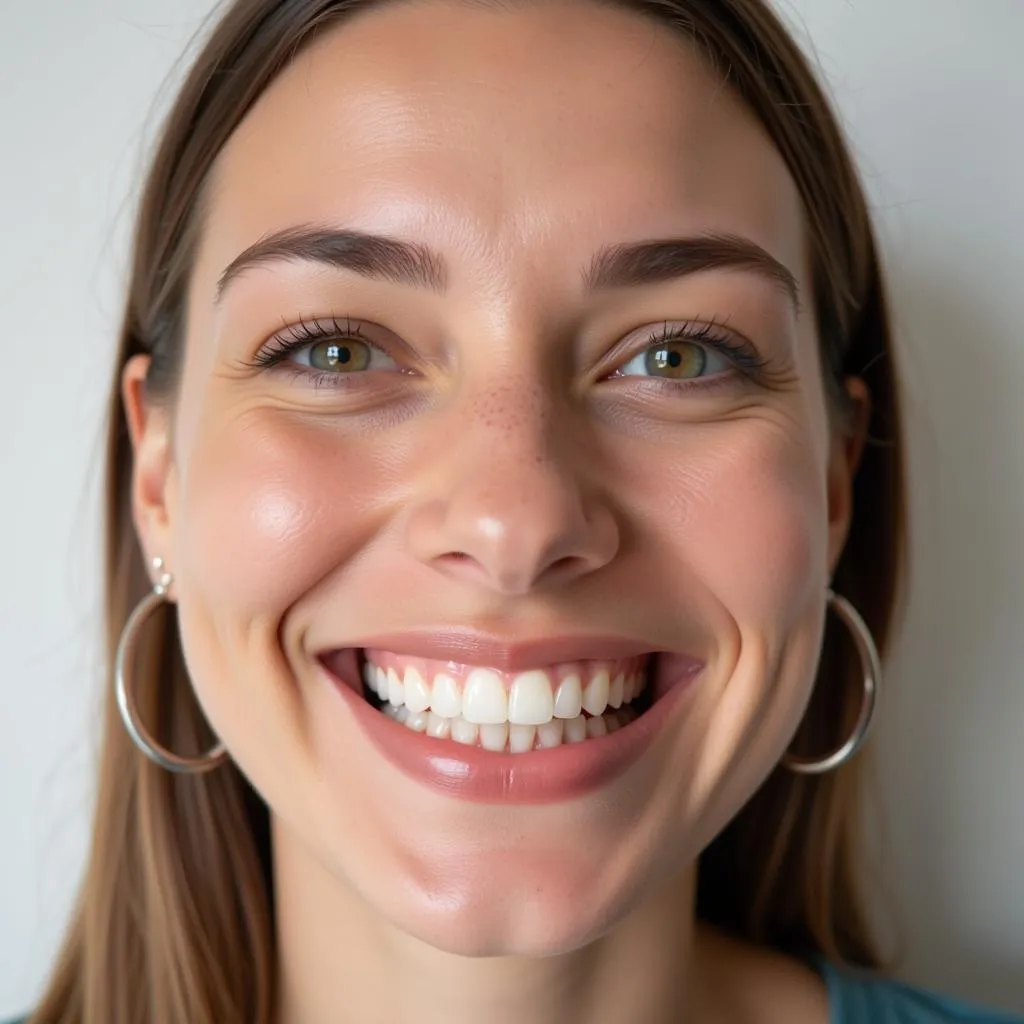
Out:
{"x": 149, "y": 427}
{"x": 844, "y": 460}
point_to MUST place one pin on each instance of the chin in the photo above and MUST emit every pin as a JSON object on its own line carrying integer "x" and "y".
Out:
{"x": 519, "y": 932}
{"x": 534, "y": 916}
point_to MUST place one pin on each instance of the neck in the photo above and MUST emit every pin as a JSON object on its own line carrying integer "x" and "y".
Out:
{"x": 341, "y": 961}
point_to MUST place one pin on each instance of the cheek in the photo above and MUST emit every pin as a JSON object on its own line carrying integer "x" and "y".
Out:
{"x": 764, "y": 515}
{"x": 749, "y": 537}
{"x": 267, "y": 507}
{"x": 743, "y": 513}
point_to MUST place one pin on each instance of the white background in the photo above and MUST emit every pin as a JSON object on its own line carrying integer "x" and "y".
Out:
{"x": 932, "y": 92}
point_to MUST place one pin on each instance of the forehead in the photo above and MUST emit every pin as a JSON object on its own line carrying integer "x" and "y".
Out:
{"x": 495, "y": 133}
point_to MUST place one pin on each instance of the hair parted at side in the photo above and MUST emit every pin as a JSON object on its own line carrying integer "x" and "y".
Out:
{"x": 174, "y": 921}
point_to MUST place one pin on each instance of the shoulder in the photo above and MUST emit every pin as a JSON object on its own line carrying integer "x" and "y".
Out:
{"x": 863, "y": 999}
{"x": 757, "y": 985}
{"x": 750, "y": 984}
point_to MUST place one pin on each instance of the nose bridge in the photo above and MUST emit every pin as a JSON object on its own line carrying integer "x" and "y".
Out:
{"x": 514, "y": 413}
{"x": 513, "y": 458}
{"x": 512, "y": 505}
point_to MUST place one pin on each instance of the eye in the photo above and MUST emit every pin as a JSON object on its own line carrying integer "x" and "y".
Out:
{"x": 677, "y": 360}
{"x": 338, "y": 356}
{"x": 325, "y": 349}
{"x": 697, "y": 352}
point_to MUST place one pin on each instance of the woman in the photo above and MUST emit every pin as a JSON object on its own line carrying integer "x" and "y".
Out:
{"x": 506, "y": 407}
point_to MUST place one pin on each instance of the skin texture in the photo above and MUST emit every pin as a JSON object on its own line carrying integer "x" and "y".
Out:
{"x": 507, "y": 482}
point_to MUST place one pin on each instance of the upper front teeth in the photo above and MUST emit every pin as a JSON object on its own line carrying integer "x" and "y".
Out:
{"x": 530, "y": 701}
{"x": 485, "y": 698}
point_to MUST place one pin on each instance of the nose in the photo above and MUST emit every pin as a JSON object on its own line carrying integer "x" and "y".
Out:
{"x": 512, "y": 504}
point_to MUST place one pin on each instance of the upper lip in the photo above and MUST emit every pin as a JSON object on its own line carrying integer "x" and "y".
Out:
{"x": 471, "y": 647}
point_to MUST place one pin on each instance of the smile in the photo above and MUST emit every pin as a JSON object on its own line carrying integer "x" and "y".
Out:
{"x": 500, "y": 711}
{"x": 522, "y": 734}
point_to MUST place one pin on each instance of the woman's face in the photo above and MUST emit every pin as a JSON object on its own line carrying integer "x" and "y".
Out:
{"x": 506, "y": 437}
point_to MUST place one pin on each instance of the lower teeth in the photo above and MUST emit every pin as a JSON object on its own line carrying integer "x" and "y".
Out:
{"x": 514, "y": 739}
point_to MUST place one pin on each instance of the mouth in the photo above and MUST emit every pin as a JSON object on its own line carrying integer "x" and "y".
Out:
{"x": 503, "y": 712}
{"x": 510, "y": 724}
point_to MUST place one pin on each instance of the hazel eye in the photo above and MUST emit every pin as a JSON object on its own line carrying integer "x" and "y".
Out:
{"x": 339, "y": 356}
{"x": 677, "y": 360}
{"x": 336, "y": 355}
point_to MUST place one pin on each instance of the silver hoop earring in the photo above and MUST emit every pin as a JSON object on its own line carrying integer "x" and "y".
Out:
{"x": 872, "y": 669}
{"x": 126, "y": 701}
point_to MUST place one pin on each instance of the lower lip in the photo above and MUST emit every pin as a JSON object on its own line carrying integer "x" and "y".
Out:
{"x": 483, "y": 776}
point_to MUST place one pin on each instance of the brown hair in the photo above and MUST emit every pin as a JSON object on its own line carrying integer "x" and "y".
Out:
{"x": 174, "y": 921}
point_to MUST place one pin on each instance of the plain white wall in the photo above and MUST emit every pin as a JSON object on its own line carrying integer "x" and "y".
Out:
{"x": 932, "y": 92}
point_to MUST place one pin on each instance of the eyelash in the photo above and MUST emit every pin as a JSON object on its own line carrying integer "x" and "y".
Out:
{"x": 303, "y": 335}
{"x": 742, "y": 354}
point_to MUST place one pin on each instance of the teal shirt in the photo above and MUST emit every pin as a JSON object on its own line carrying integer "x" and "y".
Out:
{"x": 857, "y": 1001}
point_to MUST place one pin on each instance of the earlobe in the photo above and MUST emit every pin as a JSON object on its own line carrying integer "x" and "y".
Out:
{"x": 847, "y": 451}
{"x": 149, "y": 429}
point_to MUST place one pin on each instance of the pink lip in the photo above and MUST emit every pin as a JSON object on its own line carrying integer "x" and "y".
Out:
{"x": 478, "y": 775}
{"x": 507, "y": 654}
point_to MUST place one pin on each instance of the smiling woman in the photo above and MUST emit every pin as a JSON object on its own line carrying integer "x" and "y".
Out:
{"x": 492, "y": 409}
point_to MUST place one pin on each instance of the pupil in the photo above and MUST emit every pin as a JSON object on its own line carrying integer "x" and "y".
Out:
{"x": 340, "y": 356}
{"x": 678, "y": 363}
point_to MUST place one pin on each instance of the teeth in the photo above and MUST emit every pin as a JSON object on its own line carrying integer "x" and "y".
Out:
{"x": 569, "y": 698}
{"x": 616, "y": 692}
{"x": 595, "y": 696}
{"x": 550, "y": 733}
{"x": 505, "y": 738}
{"x": 521, "y": 738}
{"x": 575, "y": 730}
{"x": 530, "y": 701}
{"x": 494, "y": 737}
{"x": 484, "y": 700}
{"x": 485, "y": 696}
{"x": 438, "y": 727}
{"x": 417, "y": 721}
{"x": 417, "y": 693}
{"x": 446, "y": 697}
{"x": 396, "y": 691}
{"x": 465, "y": 732}
{"x": 634, "y": 683}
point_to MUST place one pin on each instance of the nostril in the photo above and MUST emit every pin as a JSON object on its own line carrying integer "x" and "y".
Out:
{"x": 565, "y": 564}
{"x": 457, "y": 562}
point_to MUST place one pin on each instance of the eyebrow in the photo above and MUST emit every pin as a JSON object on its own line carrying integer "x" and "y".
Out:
{"x": 408, "y": 263}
